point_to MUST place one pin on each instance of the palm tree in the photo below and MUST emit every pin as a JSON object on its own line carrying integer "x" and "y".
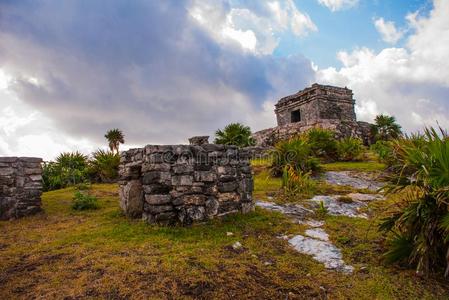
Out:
{"x": 115, "y": 137}
{"x": 234, "y": 134}
{"x": 386, "y": 128}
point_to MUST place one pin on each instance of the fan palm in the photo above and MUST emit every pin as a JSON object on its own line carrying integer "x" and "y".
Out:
{"x": 234, "y": 134}
{"x": 386, "y": 128}
{"x": 421, "y": 224}
{"x": 115, "y": 137}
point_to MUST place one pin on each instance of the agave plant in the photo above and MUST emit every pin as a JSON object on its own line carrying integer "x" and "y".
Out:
{"x": 234, "y": 134}
{"x": 420, "y": 226}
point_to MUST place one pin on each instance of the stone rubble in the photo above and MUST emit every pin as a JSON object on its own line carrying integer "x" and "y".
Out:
{"x": 20, "y": 186}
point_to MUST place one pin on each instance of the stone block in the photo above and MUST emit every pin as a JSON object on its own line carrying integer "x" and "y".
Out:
{"x": 157, "y": 209}
{"x": 205, "y": 176}
{"x": 194, "y": 199}
{"x": 225, "y": 187}
{"x": 155, "y": 177}
{"x": 146, "y": 167}
{"x": 157, "y": 189}
{"x": 183, "y": 168}
{"x": 228, "y": 197}
{"x": 131, "y": 198}
{"x": 7, "y": 171}
{"x": 182, "y": 180}
{"x": 158, "y": 199}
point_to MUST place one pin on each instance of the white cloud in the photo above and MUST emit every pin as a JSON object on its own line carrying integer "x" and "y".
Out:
{"x": 388, "y": 31}
{"x": 411, "y": 83}
{"x": 26, "y": 132}
{"x": 335, "y": 5}
{"x": 255, "y": 30}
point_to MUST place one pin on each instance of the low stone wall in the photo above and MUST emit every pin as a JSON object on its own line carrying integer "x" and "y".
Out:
{"x": 185, "y": 183}
{"x": 20, "y": 186}
{"x": 269, "y": 137}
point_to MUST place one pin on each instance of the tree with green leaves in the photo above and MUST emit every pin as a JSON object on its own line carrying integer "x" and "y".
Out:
{"x": 234, "y": 134}
{"x": 115, "y": 137}
{"x": 386, "y": 128}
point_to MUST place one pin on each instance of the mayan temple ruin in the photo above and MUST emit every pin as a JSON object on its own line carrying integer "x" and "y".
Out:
{"x": 321, "y": 106}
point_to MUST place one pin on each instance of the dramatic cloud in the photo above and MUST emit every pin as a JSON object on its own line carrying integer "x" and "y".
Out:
{"x": 146, "y": 67}
{"x": 411, "y": 83}
{"x": 335, "y": 5}
{"x": 388, "y": 31}
{"x": 255, "y": 25}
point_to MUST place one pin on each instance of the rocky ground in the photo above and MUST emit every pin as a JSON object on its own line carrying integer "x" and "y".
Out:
{"x": 315, "y": 241}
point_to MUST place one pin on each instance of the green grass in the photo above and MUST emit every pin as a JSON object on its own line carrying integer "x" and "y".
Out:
{"x": 100, "y": 254}
{"x": 362, "y": 166}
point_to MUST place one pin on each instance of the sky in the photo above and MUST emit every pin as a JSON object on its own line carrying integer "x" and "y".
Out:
{"x": 163, "y": 71}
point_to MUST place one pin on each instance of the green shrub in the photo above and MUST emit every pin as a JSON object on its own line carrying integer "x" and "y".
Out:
{"x": 234, "y": 134}
{"x": 295, "y": 152}
{"x": 349, "y": 149}
{"x": 69, "y": 168}
{"x": 383, "y": 149}
{"x": 103, "y": 167}
{"x": 322, "y": 142}
{"x": 297, "y": 184}
{"x": 420, "y": 223}
{"x": 84, "y": 201}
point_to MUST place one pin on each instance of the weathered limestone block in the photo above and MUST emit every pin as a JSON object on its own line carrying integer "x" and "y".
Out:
{"x": 20, "y": 186}
{"x": 131, "y": 198}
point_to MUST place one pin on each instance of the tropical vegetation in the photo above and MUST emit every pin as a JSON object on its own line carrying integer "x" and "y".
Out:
{"x": 115, "y": 137}
{"x": 234, "y": 134}
{"x": 419, "y": 225}
{"x": 385, "y": 128}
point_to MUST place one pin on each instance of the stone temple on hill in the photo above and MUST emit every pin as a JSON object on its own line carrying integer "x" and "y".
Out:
{"x": 321, "y": 106}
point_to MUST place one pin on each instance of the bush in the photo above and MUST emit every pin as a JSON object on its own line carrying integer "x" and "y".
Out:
{"x": 383, "y": 149}
{"x": 296, "y": 153}
{"x": 349, "y": 149}
{"x": 322, "y": 142}
{"x": 70, "y": 168}
{"x": 420, "y": 223}
{"x": 297, "y": 184}
{"x": 104, "y": 166}
{"x": 82, "y": 201}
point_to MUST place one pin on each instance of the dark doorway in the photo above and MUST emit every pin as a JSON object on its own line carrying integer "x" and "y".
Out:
{"x": 296, "y": 116}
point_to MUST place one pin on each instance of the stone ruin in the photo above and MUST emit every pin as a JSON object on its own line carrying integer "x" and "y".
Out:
{"x": 20, "y": 186}
{"x": 322, "y": 106}
{"x": 185, "y": 183}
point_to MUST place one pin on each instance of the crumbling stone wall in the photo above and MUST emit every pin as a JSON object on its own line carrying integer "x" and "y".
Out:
{"x": 20, "y": 186}
{"x": 270, "y": 136}
{"x": 185, "y": 183}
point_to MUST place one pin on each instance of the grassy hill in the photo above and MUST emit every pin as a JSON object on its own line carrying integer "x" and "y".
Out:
{"x": 101, "y": 254}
